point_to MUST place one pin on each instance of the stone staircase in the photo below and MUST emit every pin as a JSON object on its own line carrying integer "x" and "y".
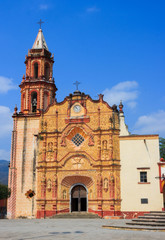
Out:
{"x": 75, "y": 215}
{"x": 152, "y": 219}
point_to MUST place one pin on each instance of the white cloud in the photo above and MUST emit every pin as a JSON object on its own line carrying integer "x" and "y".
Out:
{"x": 6, "y": 84}
{"x": 153, "y": 123}
{"x": 5, "y": 121}
{"x": 4, "y": 155}
{"x": 43, "y": 6}
{"x": 125, "y": 91}
{"x": 92, "y": 9}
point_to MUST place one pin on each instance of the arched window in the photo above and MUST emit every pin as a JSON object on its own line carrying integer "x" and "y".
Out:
{"x": 47, "y": 71}
{"x": 35, "y": 70}
{"x": 34, "y": 101}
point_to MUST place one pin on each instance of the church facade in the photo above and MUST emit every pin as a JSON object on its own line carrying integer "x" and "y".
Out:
{"x": 76, "y": 155}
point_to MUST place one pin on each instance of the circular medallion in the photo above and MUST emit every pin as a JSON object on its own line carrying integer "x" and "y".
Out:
{"x": 77, "y": 108}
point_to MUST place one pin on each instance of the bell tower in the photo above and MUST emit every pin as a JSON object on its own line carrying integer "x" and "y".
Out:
{"x": 37, "y": 87}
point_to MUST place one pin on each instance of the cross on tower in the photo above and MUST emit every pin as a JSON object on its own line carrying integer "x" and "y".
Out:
{"x": 76, "y": 83}
{"x": 40, "y": 23}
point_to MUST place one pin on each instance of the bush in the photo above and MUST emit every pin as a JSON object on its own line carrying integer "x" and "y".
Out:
{"x": 4, "y": 191}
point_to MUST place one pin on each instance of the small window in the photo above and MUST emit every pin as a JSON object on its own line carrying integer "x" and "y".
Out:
{"x": 143, "y": 176}
{"x": 144, "y": 200}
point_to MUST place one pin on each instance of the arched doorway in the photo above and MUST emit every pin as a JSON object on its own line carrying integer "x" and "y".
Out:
{"x": 78, "y": 199}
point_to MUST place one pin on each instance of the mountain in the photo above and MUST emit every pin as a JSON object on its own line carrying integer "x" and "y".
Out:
{"x": 4, "y": 171}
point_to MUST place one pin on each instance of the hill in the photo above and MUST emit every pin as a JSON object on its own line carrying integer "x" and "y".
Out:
{"x": 4, "y": 172}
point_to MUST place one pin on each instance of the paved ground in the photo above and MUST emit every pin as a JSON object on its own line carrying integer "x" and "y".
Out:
{"x": 69, "y": 229}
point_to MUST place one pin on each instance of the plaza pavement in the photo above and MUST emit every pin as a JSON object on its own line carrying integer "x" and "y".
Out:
{"x": 77, "y": 229}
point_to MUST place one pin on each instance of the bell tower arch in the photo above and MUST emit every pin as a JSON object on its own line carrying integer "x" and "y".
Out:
{"x": 37, "y": 87}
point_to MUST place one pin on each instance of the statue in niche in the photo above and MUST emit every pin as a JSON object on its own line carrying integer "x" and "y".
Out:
{"x": 64, "y": 194}
{"x": 49, "y": 185}
{"x": 104, "y": 150}
{"x": 105, "y": 184}
{"x": 50, "y": 146}
{"x": 91, "y": 140}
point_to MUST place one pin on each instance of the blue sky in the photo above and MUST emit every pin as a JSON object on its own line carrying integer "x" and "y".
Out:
{"x": 111, "y": 47}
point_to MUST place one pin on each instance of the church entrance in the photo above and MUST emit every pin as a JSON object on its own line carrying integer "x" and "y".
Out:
{"x": 78, "y": 199}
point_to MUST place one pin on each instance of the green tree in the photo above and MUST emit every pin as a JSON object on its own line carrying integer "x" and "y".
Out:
{"x": 162, "y": 147}
{"x": 4, "y": 191}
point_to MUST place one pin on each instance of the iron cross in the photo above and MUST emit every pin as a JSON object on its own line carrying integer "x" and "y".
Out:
{"x": 76, "y": 83}
{"x": 40, "y": 23}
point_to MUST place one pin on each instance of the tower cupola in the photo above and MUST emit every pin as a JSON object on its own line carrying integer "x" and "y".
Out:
{"x": 37, "y": 87}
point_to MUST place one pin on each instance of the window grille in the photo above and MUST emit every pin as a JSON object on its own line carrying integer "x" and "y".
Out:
{"x": 143, "y": 176}
{"x": 77, "y": 139}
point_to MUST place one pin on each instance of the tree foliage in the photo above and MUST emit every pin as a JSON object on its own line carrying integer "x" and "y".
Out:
{"x": 162, "y": 147}
{"x": 4, "y": 191}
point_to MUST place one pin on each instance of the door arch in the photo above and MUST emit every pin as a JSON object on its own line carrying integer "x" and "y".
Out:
{"x": 78, "y": 198}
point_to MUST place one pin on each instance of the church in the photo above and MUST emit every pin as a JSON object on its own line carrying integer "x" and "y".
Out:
{"x": 77, "y": 155}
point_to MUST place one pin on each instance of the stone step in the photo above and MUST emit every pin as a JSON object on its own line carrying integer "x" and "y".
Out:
{"x": 75, "y": 215}
{"x": 146, "y": 224}
{"x": 152, "y": 217}
{"x": 149, "y": 220}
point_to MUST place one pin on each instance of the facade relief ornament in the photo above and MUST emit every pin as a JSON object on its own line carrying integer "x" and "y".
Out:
{"x": 49, "y": 185}
{"x": 99, "y": 186}
{"x": 54, "y": 186}
{"x": 91, "y": 140}
{"x": 112, "y": 186}
{"x": 105, "y": 151}
{"x": 77, "y": 162}
{"x": 50, "y": 151}
{"x": 45, "y": 126}
{"x": 63, "y": 140}
{"x": 43, "y": 186}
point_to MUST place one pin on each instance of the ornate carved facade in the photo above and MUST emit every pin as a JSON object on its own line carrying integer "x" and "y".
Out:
{"x": 62, "y": 145}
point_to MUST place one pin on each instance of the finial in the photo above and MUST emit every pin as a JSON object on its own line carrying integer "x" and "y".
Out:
{"x": 101, "y": 97}
{"x": 121, "y": 107}
{"x": 15, "y": 109}
{"x": 76, "y": 83}
{"x": 40, "y": 23}
{"x": 23, "y": 78}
